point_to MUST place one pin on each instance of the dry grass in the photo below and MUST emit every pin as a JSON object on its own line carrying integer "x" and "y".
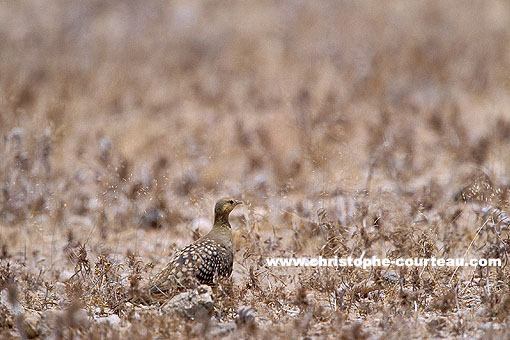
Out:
{"x": 349, "y": 128}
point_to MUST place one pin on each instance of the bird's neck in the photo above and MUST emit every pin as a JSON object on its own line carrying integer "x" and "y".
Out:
{"x": 221, "y": 221}
{"x": 221, "y": 231}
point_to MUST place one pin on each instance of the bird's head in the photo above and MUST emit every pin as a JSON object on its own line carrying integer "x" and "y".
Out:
{"x": 224, "y": 206}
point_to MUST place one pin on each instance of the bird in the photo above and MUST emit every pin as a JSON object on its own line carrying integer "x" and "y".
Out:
{"x": 204, "y": 261}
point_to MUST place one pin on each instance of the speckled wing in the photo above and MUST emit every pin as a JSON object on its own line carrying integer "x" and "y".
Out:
{"x": 197, "y": 263}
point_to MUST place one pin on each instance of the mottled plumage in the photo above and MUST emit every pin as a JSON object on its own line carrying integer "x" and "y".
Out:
{"x": 203, "y": 261}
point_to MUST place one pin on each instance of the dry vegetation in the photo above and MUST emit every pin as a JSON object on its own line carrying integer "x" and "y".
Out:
{"x": 349, "y": 128}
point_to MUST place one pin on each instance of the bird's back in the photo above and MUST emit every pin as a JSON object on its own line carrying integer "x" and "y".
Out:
{"x": 198, "y": 263}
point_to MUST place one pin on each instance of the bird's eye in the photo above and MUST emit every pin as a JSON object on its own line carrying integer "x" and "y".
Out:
{"x": 231, "y": 202}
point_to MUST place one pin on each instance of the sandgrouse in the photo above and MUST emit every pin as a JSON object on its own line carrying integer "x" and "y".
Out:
{"x": 203, "y": 261}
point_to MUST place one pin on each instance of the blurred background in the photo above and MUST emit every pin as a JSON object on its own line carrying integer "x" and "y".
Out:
{"x": 123, "y": 113}
{"x": 252, "y": 98}
{"x": 122, "y": 122}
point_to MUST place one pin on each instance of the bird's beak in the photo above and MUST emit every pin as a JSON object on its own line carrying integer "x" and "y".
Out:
{"x": 239, "y": 202}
